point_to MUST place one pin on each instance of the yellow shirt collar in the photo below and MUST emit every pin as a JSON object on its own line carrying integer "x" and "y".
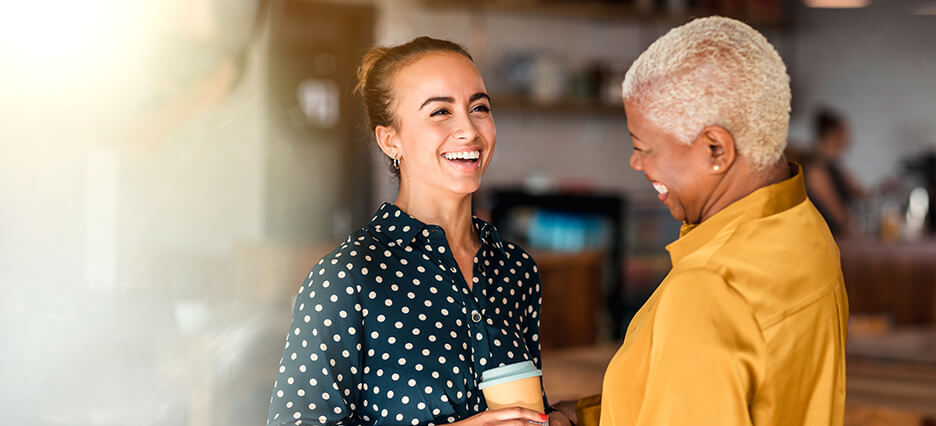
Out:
{"x": 766, "y": 201}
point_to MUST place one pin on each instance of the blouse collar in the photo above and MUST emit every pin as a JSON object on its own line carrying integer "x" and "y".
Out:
{"x": 763, "y": 202}
{"x": 399, "y": 228}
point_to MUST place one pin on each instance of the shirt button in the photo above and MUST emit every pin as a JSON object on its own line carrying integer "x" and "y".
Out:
{"x": 475, "y": 316}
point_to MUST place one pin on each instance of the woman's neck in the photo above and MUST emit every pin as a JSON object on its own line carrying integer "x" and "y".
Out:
{"x": 741, "y": 180}
{"x": 451, "y": 212}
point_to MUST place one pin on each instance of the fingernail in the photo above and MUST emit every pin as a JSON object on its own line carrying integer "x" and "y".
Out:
{"x": 544, "y": 417}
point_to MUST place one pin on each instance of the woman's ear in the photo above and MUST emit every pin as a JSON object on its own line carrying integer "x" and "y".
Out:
{"x": 721, "y": 147}
{"x": 387, "y": 141}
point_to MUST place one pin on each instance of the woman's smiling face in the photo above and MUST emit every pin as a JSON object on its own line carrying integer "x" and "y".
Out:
{"x": 444, "y": 132}
{"x": 678, "y": 171}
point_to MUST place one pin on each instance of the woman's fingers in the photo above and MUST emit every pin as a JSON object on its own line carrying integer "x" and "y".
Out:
{"x": 568, "y": 408}
{"x": 517, "y": 413}
{"x": 516, "y": 423}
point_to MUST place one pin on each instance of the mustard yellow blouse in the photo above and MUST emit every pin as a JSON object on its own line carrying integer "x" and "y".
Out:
{"x": 748, "y": 327}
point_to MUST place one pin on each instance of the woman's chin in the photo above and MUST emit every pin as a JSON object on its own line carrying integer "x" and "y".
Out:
{"x": 463, "y": 186}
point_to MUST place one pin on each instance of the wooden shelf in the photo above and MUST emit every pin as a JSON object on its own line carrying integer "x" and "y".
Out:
{"x": 511, "y": 103}
{"x": 561, "y": 9}
{"x": 592, "y": 10}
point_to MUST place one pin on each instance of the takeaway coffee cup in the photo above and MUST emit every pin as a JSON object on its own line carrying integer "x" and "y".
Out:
{"x": 514, "y": 385}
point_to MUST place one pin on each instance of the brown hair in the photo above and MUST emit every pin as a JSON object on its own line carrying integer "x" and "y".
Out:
{"x": 376, "y": 73}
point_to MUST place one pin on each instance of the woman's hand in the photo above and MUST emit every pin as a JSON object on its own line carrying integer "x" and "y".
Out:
{"x": 557, "y": 418}
{"x": 568, "y": 408}
{"x": 515, "y": 416}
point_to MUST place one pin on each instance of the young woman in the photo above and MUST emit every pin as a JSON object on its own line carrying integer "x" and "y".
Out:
{"x": 396, "y": 325}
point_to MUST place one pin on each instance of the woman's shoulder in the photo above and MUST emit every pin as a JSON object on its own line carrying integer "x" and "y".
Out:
{"x": 520, "y": 258}
{"x": 351, "y": 257}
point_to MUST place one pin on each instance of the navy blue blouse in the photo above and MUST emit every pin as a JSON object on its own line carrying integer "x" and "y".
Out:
{"x": 385, "y": 329}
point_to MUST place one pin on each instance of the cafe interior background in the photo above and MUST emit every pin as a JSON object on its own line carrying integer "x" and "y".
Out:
{"x": 171, "y": 170}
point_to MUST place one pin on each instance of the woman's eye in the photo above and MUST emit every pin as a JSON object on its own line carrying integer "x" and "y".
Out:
{"x": 439, "y": 112}
{"x": 481, "y": 108}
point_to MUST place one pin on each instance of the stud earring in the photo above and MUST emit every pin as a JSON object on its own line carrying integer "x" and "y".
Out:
{"x": 716, "y": 167}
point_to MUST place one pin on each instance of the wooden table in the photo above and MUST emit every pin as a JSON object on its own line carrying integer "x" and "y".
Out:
{"x": 896, "y": 370}
{"x": 896, "y": 279}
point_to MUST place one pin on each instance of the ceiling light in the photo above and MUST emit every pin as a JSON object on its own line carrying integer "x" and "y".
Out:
{"x": 837, "y": 4}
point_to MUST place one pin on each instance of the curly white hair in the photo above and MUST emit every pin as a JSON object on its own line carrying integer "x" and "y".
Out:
{"x": 715, "y": 71}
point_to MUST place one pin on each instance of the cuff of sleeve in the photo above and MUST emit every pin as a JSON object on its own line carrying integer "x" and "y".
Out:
{"x": 588, "y": 410}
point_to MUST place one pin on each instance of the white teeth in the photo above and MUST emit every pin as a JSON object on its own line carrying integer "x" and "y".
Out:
{"x": 463, "y": 155}
{"x": 659, "y": 187}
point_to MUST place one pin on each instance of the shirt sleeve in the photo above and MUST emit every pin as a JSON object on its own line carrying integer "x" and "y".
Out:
{"x": 706, "y": 356}
{"x": 319, "y": 373}
{"x": 531, "y": 329}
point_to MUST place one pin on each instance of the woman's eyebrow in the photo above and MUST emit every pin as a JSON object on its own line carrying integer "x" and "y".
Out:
{"x": 448, "y": 99}
{"x": 479, "y": 95}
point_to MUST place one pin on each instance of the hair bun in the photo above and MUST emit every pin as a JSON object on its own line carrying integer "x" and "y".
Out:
{"x": 367, "y": 65}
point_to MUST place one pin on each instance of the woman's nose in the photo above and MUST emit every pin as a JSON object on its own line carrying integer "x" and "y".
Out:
{"x": 466, "y": 130}
{"x": 635, "y": 161}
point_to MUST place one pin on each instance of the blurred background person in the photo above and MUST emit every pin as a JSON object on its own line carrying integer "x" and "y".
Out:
{"x": 831, "y": 187}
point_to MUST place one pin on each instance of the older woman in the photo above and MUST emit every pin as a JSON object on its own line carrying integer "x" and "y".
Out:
{"x": 749, "y": 326}
{"x": 397, "y": 324}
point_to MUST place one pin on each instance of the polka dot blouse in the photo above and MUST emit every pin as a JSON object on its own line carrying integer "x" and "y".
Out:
{"x": 386, "y": 331}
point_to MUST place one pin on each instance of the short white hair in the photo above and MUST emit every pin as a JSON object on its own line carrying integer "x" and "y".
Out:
{"x": 715, "y": 71}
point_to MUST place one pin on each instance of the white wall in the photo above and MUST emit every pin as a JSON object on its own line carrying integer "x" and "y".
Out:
{"x": 878, "y": 67}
